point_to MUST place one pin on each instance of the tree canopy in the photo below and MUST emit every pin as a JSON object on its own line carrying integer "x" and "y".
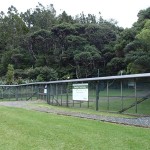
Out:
{"x": 42, "y": 46}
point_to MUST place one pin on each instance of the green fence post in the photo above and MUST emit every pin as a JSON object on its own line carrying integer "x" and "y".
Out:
{"x": 31, "y": 94}
{"x": 52, "y": 89}
{"x": 48, "y": 93}
{"x": 9, "y": 92}
{"x": 108, "y": 95}
{"x": 16, "y": 93}
{"x": 97, "y": 95}
{"x": 26, "y": 91}
{"x": 20, "y": 92}
{"x": 2, "y": 93}
{"x": 135, "y": 90}
{"x": 57, "y": 92}
{"x": 88, "y": 95}
{"x": 121, "y": 94}
{"x": 61, "y": 93}
{"x": 37, "y": 91}
{"x": 67, "y": 95}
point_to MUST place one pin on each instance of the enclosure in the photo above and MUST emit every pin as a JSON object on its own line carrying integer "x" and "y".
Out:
{"x": 122, "y": 94}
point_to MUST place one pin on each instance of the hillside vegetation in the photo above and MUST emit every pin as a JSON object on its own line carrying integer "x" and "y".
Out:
{"x": 43, "y": 46}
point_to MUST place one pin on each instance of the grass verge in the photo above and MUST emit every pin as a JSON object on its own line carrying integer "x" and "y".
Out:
{"x": 24, "y": 129}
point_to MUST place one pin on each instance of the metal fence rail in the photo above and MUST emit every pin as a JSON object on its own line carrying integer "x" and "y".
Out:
{"x": 123, "y": 94}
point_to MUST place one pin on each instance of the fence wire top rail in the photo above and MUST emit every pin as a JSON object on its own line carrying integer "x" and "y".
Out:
{"x": 85, "y": 79}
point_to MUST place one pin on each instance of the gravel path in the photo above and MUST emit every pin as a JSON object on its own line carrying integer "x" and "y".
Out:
{"x": 140, "y": 121}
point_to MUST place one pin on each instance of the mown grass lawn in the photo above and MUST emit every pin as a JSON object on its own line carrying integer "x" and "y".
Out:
{"x": 30, "y": 130}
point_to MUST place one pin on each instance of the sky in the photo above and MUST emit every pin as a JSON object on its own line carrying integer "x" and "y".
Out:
{"x": 123, "y": 11}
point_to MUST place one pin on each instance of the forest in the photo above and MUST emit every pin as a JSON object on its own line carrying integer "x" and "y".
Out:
{"x": 38, "y": 45}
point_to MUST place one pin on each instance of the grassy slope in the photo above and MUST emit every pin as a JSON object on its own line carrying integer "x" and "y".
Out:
{"x": 22, "y": 129}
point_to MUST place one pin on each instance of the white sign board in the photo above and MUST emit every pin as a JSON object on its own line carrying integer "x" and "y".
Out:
{"x": 45, "y": 89}
{"x": 80, "y": 92}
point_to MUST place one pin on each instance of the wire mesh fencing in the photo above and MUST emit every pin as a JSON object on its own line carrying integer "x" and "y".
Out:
{"x": 121, "y": 94}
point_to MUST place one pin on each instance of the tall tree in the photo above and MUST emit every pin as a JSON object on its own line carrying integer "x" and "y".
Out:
{"x": 144, "y": 35}
{"x": 10, "y": 74}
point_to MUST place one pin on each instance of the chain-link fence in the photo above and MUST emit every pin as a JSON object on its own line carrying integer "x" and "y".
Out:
{"x": 122, "y": 94}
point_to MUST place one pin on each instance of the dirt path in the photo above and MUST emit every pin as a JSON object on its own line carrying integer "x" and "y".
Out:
{"x": 141, "y": 121}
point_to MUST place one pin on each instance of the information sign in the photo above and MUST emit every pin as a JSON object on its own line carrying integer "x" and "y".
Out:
{"x": 80, "y": 92}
